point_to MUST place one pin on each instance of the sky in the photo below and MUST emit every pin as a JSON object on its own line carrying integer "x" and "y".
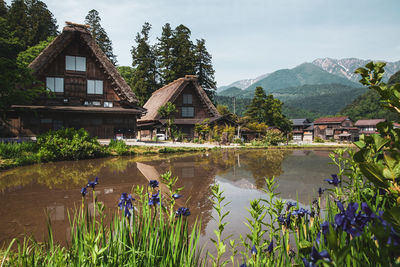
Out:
{"x": 248, "y": 38}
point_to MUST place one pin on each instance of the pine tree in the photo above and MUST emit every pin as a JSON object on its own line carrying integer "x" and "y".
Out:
{"x": 255, "y": 111}
{"x": 164, "y": 55}
{"x": 268, "y": 110}
{"x": 3, "y": 9}
{"x": 144, "y": 64}
{"x": 182, "y": 53}
{"x": 99, "y": 34}
{"x": 204, "y": 69}
{"x": 31, "y": 21}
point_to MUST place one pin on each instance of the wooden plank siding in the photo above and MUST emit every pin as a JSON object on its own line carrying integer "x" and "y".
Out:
{"x": 74, "y": 106}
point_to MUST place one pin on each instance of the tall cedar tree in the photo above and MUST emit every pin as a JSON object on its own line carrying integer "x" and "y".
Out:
{"x": 256, "y": 110}
{"x": 99, "y": 34}
{"x": 17, "y": 86}
{"x": 164, "y": 55}
{"x": 204, "y": 69}
{"x": 143, "y": 82}
{"x": 31, "y": 22}
{"x": 183, "y": 62}
{"x": 268, "y": 110}
{"x": 3, "y": 9}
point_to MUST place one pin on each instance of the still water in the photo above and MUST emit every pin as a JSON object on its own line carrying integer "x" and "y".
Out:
{"x": 28, "y": 193}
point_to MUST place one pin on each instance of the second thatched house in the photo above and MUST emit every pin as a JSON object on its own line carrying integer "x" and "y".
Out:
{"x": 191, "y": 101}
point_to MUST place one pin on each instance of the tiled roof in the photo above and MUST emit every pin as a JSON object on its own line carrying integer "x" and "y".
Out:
{"x": 330, "y": 120}
{"x": 372, "y": 122}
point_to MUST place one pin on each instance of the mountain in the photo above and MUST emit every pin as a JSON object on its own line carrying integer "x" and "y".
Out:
{"x": 345, "y": 67}
{"x": 242, "y": 84}
{"x": 309, "y": 101}
{"x": 303, "y": 74}
{"x": 231, "y": 91}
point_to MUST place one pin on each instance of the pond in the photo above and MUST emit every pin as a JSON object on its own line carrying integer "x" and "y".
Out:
{"x": 28, "y": 193}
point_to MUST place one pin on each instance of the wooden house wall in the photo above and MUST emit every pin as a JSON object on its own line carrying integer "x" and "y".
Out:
{"x": 100, "y": 125}
{"x": 200, "y": 109}
{"x": 75, "y": 82}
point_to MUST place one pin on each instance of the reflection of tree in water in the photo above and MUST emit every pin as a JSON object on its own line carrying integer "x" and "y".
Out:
{"x": 66, "y": 175}
{"x": 264, "y": 164}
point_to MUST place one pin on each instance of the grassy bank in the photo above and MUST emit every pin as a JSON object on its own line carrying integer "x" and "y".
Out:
{"x": 70, "y": 144}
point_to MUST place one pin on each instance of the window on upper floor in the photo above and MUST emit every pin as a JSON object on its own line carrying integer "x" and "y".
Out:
{"x": 187, "y": 99}
{"x": 55, "y": 84}
{"x": 75, "y": 63}
{"x": 94, "y": 87}
{"x": 188, "y": 112}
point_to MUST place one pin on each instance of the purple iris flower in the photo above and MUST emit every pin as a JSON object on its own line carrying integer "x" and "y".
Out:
{"x": 308, "y": 263}
{"x": 127, "y": 212}
{"x": 125, "y": 201}
{"x": 325, "y": 227}
{"x": 155, "y": 199}
{"x": 153, "y": 183}
{"x": 243, "y": 265}
{"x": 270, "y": 247}
{"x": 352, "y": 222}
{"x": 290, "y": 204}
{"x": 182, "y": 212}
{"x": 315, "y": 255}
{"x": 300, "y": 212}
{"x": 94, "y": 183}
{"x": 318, "y": 239}
{"x": 335, "y": 180}
{"x": 284, "y": 221}
{"x": 83, "y": 191}
{"x": 176, "y": 196}
{"x": 254, "y": 250}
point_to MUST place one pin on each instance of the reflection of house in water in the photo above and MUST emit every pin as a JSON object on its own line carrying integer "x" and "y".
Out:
{"x": 194, "y": 176}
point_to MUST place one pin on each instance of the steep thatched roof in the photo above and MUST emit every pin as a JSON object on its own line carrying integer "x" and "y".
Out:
{"x": 170, "y": 92}
{"x": 60, "y": 43}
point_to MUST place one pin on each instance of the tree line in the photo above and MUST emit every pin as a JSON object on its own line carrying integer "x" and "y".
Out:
{"x": 173, "y": 56}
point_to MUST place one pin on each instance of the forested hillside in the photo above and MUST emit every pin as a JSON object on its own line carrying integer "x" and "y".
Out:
{"x": 367, "y": 106}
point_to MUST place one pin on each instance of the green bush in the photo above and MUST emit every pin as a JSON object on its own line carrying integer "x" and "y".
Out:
{"x": 318, "y": 139}
{"x": 274, "y": 137}
{"x": 67, "y": 144}
{"x": 15, "y": 150}
{"x": 120, "y": 147}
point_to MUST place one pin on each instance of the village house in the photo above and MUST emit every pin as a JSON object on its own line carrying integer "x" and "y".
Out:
{"x": 87, "y": 91}
{"x": 298, "y": 131}
{"x": 368, "y": 127}
{"x": 335, "y": 128}
{"x": 191, "y": 101}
